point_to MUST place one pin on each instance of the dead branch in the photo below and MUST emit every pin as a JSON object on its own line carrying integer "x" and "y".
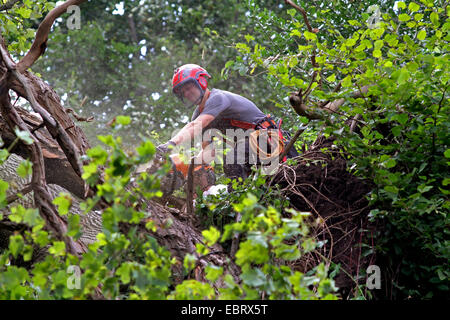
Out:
{"x": 55, "y": 160}
{"x": 55, "y": 129}
{"x": 78, "y": 117}
{"x": 40, "y": 42}
{"x": 42, "y": 196}
{"x": 10, "y": 199}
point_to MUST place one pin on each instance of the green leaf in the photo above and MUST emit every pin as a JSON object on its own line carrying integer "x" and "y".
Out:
{"x": 434, "y": 17}
{"x": 331, "y": 78}
{"x": 396, "y": 131}
{"x": 146, "y": 150}
{"x": 424, "y": 188}
{"x": 391, "y": 189}
{"x": 3, "y": 155}
{"x": 189, "y": 262}
{"x": 412, "y": 66}
{"x": 418, "y": 16}
{"x": 404, "y": 17}
{"x": 31, "y": 217}
{"x": 413, "y": 7}
{"x": 242, "y": 47}
{"x": 63, "y": 202}
{"x": 123, "y": 120}
{"x": 403, "y": 76}
{"x": 211, "y": 236}
{"x": 377, "y": 53}
{"x": 390, "y": 163}
{"x": 309, "y": 35}
{"x": 249, "y": 38}
{"x": 73, "y": 226}
{"x": 101, "y": 238}
{"x": 17, "y": 214}
{"x": 250, "y": 252}
{"x": 3, "y": 187}
{"x": 253, "y": 277}
{"x": 292, "y": 12}
{"x": 16, "y": 244}
{"x": 201, "y": 249}
{"x": 402, "y": 118}
{"x": 354, "y": 23}
{"x": 347, "y": 81}
{"x": 23, "y": 135}
{"x": 401, "y": 5}
{"x": 378, "y": 44}
{"x": 124, "y": 272}
{"x": 58, "y": 248}
{"x": 25, "y": 168}
{"x": 446, "y": 154}
{"x": 24, "y": 12}
{"x": 422, "y": 35}
{"x": 213, "y": 272}
{"x": 441, "y": 275}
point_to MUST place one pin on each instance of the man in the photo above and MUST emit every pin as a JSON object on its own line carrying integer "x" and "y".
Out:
{"x": 221, "y": 110}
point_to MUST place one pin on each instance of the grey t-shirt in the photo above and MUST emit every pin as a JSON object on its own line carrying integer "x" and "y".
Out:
{"x": 227, "y": 105}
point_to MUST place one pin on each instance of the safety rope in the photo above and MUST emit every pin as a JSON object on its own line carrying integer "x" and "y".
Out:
{"x": 271, "y": 134}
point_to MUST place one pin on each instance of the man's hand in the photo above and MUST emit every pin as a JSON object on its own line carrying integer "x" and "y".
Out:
{"x": 165, "y": 148}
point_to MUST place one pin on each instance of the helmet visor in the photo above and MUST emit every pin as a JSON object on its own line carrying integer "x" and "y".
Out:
{"x": 189, "y": 92}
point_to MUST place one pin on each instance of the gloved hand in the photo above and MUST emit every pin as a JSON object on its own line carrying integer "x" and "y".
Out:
{"x": 165, "y": 148}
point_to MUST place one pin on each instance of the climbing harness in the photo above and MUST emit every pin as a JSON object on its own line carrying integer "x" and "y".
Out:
{"x": 265, "y": 128}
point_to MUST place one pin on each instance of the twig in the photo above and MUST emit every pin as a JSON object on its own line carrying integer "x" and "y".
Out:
{"x": 235, "y": 239}
{"x": 336, "y": 89}
{"x": 291, "y": 143}
{"x": 302, "y": 11}
{"x": 15, "y": 196}
{"x": 353, "y": 124}
{"x": 78, "y": 117}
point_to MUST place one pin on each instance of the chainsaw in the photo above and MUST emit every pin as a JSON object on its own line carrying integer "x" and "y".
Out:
{"x": 203, "y": 175}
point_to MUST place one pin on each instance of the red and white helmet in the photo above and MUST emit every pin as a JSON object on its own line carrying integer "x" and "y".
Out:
{"x": 190, "y": 73}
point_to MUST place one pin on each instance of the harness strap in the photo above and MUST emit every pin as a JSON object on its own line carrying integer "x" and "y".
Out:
{"x": 264, "y": 123}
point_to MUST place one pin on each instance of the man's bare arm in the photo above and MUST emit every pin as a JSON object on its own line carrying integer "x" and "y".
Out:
{"x": 192, "y": 128}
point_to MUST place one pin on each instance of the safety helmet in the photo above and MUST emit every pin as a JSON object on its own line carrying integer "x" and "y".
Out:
{"x": 186, "y": 74}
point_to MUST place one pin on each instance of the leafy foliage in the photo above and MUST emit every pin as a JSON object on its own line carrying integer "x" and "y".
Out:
{"x": 132, "y": 265}
{"x": 403, "y": 139}
{"x": 17, "y": 24}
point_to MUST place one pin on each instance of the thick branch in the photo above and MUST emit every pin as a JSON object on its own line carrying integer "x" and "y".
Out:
{"x": 42, "y": 196}
{"x": 57, "y": 168}
{"x": 331, "y": 107}
{"x": 40, "y": 42}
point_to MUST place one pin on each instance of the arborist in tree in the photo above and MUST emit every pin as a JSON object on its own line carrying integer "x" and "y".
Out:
{"x": 222, "y": 110}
